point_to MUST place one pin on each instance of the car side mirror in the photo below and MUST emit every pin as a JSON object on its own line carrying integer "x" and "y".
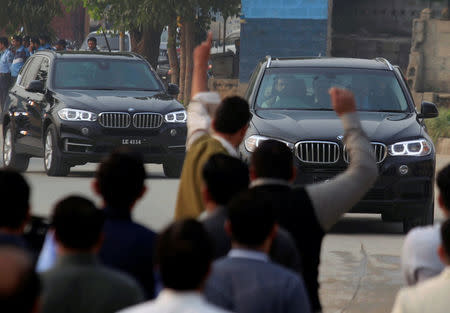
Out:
{"x": 35, "y": 86}
{"x": 428, "y": 110}
{"x": 173, "y": 89}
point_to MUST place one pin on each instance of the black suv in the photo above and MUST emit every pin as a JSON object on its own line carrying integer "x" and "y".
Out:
{"x": 290, "y": 102}
{"x": 75, "y": 107}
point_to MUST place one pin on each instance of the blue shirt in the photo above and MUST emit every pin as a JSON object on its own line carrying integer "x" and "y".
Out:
{"x": 6, "y": 59}
{"x": 45, "y": 47}
{"x": 19, "y": 60}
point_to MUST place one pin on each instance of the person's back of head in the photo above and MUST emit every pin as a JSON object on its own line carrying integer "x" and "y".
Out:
{"x": 251, "y": 217}
{"x": 120, "y": 180}
{"x": 4, "y": 41}
{"x": 19, "y": 283}
{"x": 225, "y": 176}
{"x": 77, "y": 223}
{"x": 35, "y": 41}
{"x": 15, "y": 195}
{"x": 272, "y": 159}
{"x": 232, "y": 115}
{"x": 184, "y": 255}
{"x": 443, "y": 183}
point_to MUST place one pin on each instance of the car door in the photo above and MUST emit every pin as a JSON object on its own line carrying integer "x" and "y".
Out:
{"x": 36, "y": 105}
{"x": 25, "y": 118}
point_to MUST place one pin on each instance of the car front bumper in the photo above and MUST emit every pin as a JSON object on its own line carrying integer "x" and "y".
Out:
{"x": 395, "y": 195}
{"x": 83, "y": 142}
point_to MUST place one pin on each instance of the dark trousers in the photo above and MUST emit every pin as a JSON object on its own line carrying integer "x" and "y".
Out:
{"x": 5, "y": 83}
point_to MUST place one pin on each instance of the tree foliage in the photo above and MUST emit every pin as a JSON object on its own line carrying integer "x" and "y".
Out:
{"x": 34, "y": 16}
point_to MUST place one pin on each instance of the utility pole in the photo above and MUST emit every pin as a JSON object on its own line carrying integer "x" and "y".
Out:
{"x": 121, "y": 41}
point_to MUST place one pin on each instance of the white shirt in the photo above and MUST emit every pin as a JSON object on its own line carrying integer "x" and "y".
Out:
{"x": 171, "y": 301}
{"x": 430, "y": 296}
{"x": 419, "y": 259}
{"x": 248, "y": 254}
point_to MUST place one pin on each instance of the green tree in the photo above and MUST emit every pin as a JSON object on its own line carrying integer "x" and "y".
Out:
{"x": 34, "y": 16}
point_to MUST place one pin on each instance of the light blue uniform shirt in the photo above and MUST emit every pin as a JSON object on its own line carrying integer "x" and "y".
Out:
{"x": 19, "y": 60}
{"x": 6, "y": 60}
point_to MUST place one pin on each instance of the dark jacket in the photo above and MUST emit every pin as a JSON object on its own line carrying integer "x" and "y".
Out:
{"x": 79, "y": 283}
{"x": 128, "y": 247}
{"x": 283, "y": 250}
{"x": 295, "y": 213}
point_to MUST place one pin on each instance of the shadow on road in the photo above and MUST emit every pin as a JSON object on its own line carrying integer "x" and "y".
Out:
{"x": 366, "y": 225}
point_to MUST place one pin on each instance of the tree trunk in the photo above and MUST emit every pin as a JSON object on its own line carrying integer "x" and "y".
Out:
{"x": 135, "y": 38}
{"x": 182, "y": 63}
{"x": 190, "y": 42}
{"x": 148, "y": 47}
{"x": 224, "y": 31}
{"x": 172, "y": 54}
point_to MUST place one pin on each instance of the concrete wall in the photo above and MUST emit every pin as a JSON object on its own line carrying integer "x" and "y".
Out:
{"x": 281, "y": 28}
{"x": 429, "y": 62}
{"x": 368, "y": 29}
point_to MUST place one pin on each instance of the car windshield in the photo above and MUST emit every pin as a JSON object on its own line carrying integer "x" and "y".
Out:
{"x": 104, "y": 74}
{"x": 307, "y": 89}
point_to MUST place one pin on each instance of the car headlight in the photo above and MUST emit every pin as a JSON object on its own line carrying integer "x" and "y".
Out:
{"x": 77, "y": 115}
{"x": 252, "y": 142}
{"x": 420, "y": 147}
{"x": 176, "y": 117}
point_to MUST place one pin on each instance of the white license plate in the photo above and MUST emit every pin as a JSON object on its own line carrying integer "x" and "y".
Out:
{"x": 133, "y": 142}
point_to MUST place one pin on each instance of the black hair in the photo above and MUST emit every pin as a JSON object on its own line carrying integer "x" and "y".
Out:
{"x": 273, "y": 159}
{"x": 15, "y": 195}
{"x": 23, "y": 297}
{"x": 17, "y": 38}
{"x": 92, "y": 39}
{"x": 252, "y": 217}
{"x": 445, "y": 236}
{"x": 184, "y": 255}
{"x": 4, "y": 41}
{"x": 443, "y": 183}
{"x": 121, "y": 179}
{"x": 232, "y": 115}
{"x": 224, "y": 177}
{"x": 62, "y": 42}
{"x": 45, "y": 38}
{"x": 77, "y": 223}
{"x": 35, "y": 41}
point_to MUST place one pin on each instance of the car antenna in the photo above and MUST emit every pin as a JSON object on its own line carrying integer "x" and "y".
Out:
{"x": 106, "y": 39}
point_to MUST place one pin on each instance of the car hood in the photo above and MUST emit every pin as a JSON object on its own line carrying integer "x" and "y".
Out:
{"x": 118, "y": 101}
{"x": 299, "y": 125}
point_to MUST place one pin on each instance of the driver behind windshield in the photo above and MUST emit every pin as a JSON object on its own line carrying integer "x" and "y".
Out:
{"x": 279, "y": 88}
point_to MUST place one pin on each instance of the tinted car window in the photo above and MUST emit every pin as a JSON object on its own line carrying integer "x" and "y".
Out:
{"x": 43, "y": 71}
{"x": 103, "y": 74}
{"x": 31, "y": 71}
{"x": 307, "y": 88}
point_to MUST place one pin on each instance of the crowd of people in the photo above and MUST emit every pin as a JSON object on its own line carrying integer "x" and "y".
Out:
{"x": 14, "y": 54}
{"x": 244, "y": 239}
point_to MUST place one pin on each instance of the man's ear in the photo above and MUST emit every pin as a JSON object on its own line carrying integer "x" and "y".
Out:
{"x": 213, "y": 124}
{"x": 142, "y": 193}
{"x": 274, "y": 231}
{"x": 227, "y": 226}
{"x": 252, "y": 171}
{"x": 206, "y": 197}
{"x": 294, "y": 174}
{"x": 96, "y": 187}
{"x": 442, "y": 254}
{"x": 441, "y": 202}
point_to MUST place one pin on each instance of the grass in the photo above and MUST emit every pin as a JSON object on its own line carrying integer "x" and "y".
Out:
{"x": 440, "y": 126}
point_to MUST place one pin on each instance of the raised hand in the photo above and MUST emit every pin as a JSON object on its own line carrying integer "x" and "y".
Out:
{"x": 202, "y": 52}
{"x": 342, "y": 100}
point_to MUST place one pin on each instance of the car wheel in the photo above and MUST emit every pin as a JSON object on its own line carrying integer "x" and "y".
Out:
{"x": 172, "y": 169}
{"x": 426, "y": 219}
{"x": 53, "y": 162}
{"x": 11, "y": 159}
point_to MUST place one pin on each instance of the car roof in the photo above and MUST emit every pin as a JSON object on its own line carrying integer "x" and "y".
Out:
{"x": 90, "y": 55}
{"x": 378, "y": 63}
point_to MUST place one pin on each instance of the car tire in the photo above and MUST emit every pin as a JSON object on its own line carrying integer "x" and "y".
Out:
{"x": 172, "y": 169}
{"x": 11, "y": 159}
{"x": 426, "y": 219}
{"x": 53, "y": 161}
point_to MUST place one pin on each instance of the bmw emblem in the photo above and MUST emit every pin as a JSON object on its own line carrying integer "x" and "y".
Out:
{"x": 131, "y": 110}
{"x": 340, "y": 137}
